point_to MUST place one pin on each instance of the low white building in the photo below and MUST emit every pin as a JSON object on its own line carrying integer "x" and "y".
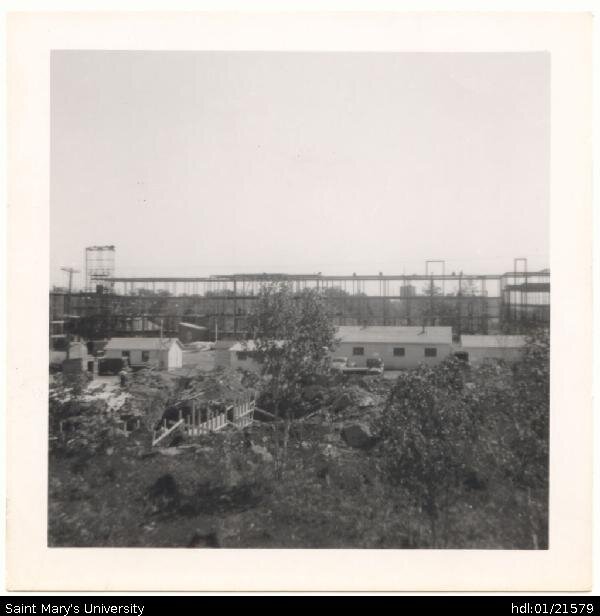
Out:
{"x": 78, "y": 350}
{"x": 237, "y": 354}
{"x": 241, "y": 356}
{"x": 163, "y": 353}
{"x": 398, "y": 347}
{"x": 481, "y": 348}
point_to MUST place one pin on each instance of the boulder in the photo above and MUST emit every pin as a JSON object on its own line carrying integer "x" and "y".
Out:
{"x": 358, "y": 435}
{"x": 329, "y": 451}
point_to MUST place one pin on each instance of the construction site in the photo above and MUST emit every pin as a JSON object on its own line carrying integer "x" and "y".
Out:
{"x": 511, "y": 302}
{"x": 176, "y": 421}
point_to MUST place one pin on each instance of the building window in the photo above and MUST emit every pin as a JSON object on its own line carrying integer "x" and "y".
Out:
{"x": 125, "y": 354}
{"x": 430, "y": 352}
{"x": 358, "y": 351}
{"x": 399, "y": 352}
{"x": 145, "y": 356}
{"x": 242, "y": 355}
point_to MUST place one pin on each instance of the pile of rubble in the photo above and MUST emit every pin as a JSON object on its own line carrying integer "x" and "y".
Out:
{"x": 350, "y": 409}
{"x": 222, "y": 385}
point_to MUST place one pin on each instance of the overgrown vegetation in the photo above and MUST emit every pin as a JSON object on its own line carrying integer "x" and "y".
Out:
{"x": 462, "y": 442}
{"x": 450, "y": 456}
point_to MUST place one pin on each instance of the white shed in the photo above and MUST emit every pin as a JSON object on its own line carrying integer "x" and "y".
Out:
{"x": 240, "y": 354}
{"x": 480, "y": 348}
{"x": 163, "y": 353}
{"x": 398, "y": 347}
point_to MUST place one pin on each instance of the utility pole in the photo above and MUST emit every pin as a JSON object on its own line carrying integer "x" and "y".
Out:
{"x": 70, "y": 271}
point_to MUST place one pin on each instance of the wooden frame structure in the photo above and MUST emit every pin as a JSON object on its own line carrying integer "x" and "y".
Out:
{"x": 240, "y": 414}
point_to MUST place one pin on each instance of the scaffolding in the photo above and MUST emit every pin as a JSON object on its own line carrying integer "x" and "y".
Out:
{"x": 470, "y": 303}
{"x": 99, "y": 265}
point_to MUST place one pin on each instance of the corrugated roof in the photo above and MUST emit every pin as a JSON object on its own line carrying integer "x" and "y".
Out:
{"x": 395, "y": 335}
{"x": 486, "y": 342}
{"x": 140, "y": 344}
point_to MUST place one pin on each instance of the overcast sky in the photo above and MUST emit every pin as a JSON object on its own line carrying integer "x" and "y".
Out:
{"x": 197, "y": 163}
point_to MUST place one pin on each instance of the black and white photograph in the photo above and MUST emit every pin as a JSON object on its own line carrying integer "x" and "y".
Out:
{"x": 299, "y": 300}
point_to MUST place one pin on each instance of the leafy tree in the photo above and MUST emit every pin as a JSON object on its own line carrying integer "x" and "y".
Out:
{"x": 89, "y": 426}
{"x": 522, "y": 432}
{"x": 432, "y": 291}
{"x": 292, "y": 333}
{"x": 468, "y": 288}
{"x": 428, "y": 429}
{"x": 471, "y": 444}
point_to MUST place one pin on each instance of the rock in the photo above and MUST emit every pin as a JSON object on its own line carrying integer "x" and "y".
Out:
{"x": 329, "y": 451}
{"x": 366, "y": 401}
{"x": 358, "y": 435}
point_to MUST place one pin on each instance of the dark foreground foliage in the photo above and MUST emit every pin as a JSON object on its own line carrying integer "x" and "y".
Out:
{"x": 454, "y": 457}
{"x": 469, "y": 448}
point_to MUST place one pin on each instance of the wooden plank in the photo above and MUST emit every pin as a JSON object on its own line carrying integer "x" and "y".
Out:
{"x": 172, "y": 429}
{"x": 266, "y": 414}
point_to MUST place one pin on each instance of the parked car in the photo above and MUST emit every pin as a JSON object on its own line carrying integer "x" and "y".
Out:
{"x": 339, "y": 363}
{"x": 109, "y": 366}
{"x": 374, "y": 366}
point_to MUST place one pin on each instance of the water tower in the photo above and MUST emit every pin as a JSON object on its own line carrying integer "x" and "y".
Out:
{"x": 99, "y": 263}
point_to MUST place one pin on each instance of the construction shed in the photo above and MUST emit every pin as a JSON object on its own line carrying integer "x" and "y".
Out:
{"x": 398, "y": 347}
{"x": 162, "y": 353}
{"x": 239, "y": 354}
{"x": 481, "y": 348}
{"x": 77, "y": 350}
